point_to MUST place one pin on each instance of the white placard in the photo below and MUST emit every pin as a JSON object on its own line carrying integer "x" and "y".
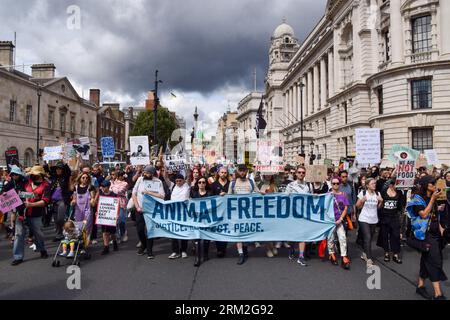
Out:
{"x": 53, "y": 153}
{"x": 368, "y": 150}
{"x": 139, "y": 152}
{"x": 406, "y": 173}
{"x": 432, "y": 157}
{"x": 107, "y": 211}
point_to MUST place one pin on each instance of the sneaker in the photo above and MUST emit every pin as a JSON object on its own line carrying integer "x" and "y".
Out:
{"x": 174, "y": 256}
{"x": 184, "y": 255}
{"x": 16, "y": 262}
{"x": 301, "y": 261}
{"x": 241, "y": 259}
{"x": 442, "y": 297}
{"x": 119, "y": 241}
{"x": 62, "y": 254}
{"x": 93, "y": 242}
{"x": 269, "y": 254}
{"x": 346, "y": 263}
{"x": 278, "y": 245}
{"x": 115, "y": 246}
{"x": 71, "y": 254}
{"x": 125, "y": 238}
{"x": 140, "y": 252}
{"x": 364, "y": 257}
{"x": 33, "y": 247}
{"x": 275, "y": 251}
{"x": 286, "y": 245}
{"x": 422, "y": 291}
{"x": 291, "y": 254}
{"x": 151, "y": 256}
{"x": 369, "y": 263}
{"x": 105, "y": 251}
{"x": 139, "y": 245}
{"x": 257, "y": 244}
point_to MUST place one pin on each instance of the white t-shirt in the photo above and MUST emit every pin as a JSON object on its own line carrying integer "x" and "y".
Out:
{"x": 180, "y": 193}
{"x": 298, "y": 187}
{"x": 154, "y": 185}
{"x": 369, "y": 212}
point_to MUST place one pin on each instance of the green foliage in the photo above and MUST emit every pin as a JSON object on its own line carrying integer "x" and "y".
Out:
{"x": 165, "y": 126}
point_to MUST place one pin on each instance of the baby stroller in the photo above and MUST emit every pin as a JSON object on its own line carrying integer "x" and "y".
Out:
{"x": 80, "y": 247}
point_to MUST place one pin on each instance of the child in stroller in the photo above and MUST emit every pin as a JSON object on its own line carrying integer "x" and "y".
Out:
{"x": 74, "y": 244}
{"x": 71, "y": 237}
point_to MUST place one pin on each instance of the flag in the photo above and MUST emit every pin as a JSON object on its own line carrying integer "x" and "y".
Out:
{"x": 261, "y": 124}
{"x": 168, "y": 147}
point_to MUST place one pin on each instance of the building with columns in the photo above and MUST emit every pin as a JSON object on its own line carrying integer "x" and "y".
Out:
{"x": 227, "y": 137}
{"x": 366, "y": 64}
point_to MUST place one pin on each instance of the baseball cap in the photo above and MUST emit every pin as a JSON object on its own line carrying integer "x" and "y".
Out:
{"x": 150, "y": 169}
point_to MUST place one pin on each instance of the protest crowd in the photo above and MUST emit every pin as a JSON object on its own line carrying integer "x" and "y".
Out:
{"x": 366, "y": 202}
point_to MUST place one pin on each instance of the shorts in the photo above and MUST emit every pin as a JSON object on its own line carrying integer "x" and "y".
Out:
{"x": 109, "y": 229}
{"x": 69, "y": 241}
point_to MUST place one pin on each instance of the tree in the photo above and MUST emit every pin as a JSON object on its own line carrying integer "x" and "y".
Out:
{"x": 166, "y": 124}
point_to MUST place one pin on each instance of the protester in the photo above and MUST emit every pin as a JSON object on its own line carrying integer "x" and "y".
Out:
{"x": 148, "y": 184}
{"x": 83, "y": 200}
{"x": 71, "y": 235}
{"x": 299, "y": 186}
{"x": 220, "y": 188}
{"x": 348, "y": 188}
{"x": 427, "y": 226}
{"x": 269, "y": 186}
{"x": 120, "y": 187}
{"x": 180, "y": 192}
{"x": 368, "y": 201}
{"x": 108, "y": 232}
{"x": 17, "y": 182}
{"x": 242, "y": 185}
{"x": 34, "y": 210}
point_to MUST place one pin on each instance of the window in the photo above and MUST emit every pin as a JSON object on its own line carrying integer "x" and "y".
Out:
{"x": 345, "y": 140}
{"x": 344, "y": 107}
{"x": 382, "y": 142}
{"x": 51, "y": 119}
{"x": 421, "y": 34}
{"x": 83, "y": 127}
{"x": 72, "y": 124}
{"x": 380, "y": 99}
{"x": 12, "y": 110}
{"x": 387, "y": 46}
{"x": 421, "y": 94}
{"x": 28, "y": 115}
{"x": 325, "y": 126}
{"x": 62, "y": 122}
{"x": 90, "y": 129}
{"x": 28, "y": 161}
{"x": 422, "y": 139}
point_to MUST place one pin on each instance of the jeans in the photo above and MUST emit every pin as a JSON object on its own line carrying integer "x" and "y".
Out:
{"x": 35, "y": 224}
{"x": 340, "y": 232}
{"x": 142, "y": 233}
{"x": 122, "y": 221}
{"x": 367, "y": 230}
{"x": 176, "y": 245}
{"x": 59, "y": 216}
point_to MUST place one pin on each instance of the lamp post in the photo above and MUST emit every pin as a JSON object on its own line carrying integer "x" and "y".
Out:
{"x": 39, "y": 94}
{"x": 312, "y": 156}
{"x": 155, "y": 107}
{"x": 301, "y": 121}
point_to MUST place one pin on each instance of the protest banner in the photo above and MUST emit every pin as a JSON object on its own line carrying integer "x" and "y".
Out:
{"x": 139, "y": 152}
{"x": 9, "y": 201}
{"x": 53, "y": 153}
{"x": 269, "y": 152}
{"x": 399, "y": 152}
{"x": 107, "y": 211}
{"x": 406, "y": 173}
{"x": 108, "y": 149}
{"x": 242, "y": 218}
{"x": 176, "y": 162}
{"x": 274, "y": 169}
{"x": 316, "y": 173}
{"x": 12, "y": 158}
{"x": 368, "y": 149}
{"x": 432, "y": 157}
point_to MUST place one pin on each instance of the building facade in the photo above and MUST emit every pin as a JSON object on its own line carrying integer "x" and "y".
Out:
{"x": 367, "y": 64}
{"x": 227, "y": 137}
{"x": 63, "y": 115}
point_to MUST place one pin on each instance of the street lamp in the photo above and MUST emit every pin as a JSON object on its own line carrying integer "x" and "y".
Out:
{"x": 302, "y": 152}
{"x": 312, "y": 156}
{"x": 155, "y": 107}
{"x": 39, "y": 94}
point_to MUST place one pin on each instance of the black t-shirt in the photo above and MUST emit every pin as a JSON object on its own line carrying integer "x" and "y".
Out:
{"x": 83, "y": 190}
{"x": 283, "y": 185}
{"x": 110, "y": 194}
{"x": 321, "y": 190}
{"x": 217, "y": 188}
{"x": 391, "y": 205}
{"x": 196, "y": 194}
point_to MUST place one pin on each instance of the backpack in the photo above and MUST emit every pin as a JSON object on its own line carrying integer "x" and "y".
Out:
{"x": 233, "y": 185}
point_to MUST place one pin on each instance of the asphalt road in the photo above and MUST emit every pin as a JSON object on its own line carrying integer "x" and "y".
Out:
{"x": 124, "y": 275}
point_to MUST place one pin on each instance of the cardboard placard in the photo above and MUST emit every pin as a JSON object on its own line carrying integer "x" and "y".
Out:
{"x": 107, "y": 211}
{"x": 441, "y": 184}
{"x": 316, "y": 173}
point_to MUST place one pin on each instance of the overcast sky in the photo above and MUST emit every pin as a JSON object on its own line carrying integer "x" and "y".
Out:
{"x": 205, "y": 50}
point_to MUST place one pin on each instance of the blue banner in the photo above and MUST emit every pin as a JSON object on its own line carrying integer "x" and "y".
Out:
{"x": 108, "y": 149}
{"x": 242, "y": 218}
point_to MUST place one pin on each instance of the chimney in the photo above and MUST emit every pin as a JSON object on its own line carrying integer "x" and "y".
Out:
{"x": 94, "y": 96}
{"x": 43, "y": 71}
{"x": 7, "y": 54}
{"x": 150, "y": 102}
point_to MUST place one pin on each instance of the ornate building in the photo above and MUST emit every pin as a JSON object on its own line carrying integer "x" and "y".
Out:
{"x": 367, "y": 63}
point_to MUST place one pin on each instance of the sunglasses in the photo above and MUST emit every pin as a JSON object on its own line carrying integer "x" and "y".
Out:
{"x": 335, "y": 183}
{"x": 202, "y": 182}
{"x": 344, "y": 177}
{"x": 301, "y": 172}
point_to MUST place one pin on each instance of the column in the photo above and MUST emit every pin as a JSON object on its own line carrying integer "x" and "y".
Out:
{"x": 295, "y": 104}
{"x": 304, "y": 101}
{"x": 337, "y": 62}
{"x": 299, "y": 97}
{"x": 310, "y": 93}
{"x": 356, "y": 60}
{"x": 444, "y": 7}
{"x": 316, "y": 106}
{"x": 290, "y": 106}
{"x": 330, "y": 74}
{"x": 397, "y": 32}
{"x": 323, "y": 83}
{"x": 286, "y": 100}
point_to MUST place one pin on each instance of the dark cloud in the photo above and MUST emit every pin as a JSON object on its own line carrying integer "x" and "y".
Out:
{"x": 198, "y": 45}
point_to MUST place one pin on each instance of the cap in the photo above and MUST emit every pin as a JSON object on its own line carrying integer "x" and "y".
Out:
{"x": 150, "y": 169}
{"x": 16, "y": 171}
{"x": 242, "y": 167}
{"x": 105, "y": 183}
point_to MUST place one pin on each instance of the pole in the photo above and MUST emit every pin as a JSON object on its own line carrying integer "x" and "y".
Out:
{"x": 39, "y": 93}
{"x": 155, "y": 108}
{"x": 301, "y": 119}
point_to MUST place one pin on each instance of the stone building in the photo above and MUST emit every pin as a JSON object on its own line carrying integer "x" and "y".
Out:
{"x": 367, "y": 63}
{"x": 63, "y": 113}
{"x": 227, "y": 137}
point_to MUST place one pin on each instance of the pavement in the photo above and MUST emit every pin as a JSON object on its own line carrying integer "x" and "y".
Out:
{"x": 125, "y": 275}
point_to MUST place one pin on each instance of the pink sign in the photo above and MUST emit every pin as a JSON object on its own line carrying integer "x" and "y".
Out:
{"x": 9, "y": 201}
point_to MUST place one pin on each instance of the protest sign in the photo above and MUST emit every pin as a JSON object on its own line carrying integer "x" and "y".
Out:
{"x": 176, "y": 163}
{"x": 242, "y": 218}
{"x": 9, "y": 201}
{"x": 441, "y": 185}
{"x": 368, "y": 148}
{"x": 107, "y": 211}
{"x": 316, "y": 173}
{"x": 108, "y": 149}
{"x": 269, "y": 169}
{"x": 406, "y": 173}
{"x": 328, "y": 163}
{"x": 26, "y": 195}
{"x": 432, "y": 157}
{"x": 12, "y": 158}
{"x": 53, "y": 153}
{"x": 421, "y": 162}
{"x": 399, "y": 152}
{"x": 269, "y": 152}
{"x": 139, "y": 152}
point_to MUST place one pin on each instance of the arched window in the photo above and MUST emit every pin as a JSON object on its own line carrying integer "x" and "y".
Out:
{"x": 28, "y": 158}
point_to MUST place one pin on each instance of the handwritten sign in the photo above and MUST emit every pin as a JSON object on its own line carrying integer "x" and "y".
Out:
{"x": 53, "y": 153}
{"x": 432, "y": 157}
{"x": 368, "y": 148}
{"x": 316, "y": 173}
{"x": 108, "y": 211}
{"x": 176, "y": 163}
{"x": 9, "y": 201}
{"x": 269, "y": 169}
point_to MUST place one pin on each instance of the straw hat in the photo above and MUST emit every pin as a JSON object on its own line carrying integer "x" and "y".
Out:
{"x": 37, "y": 171}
